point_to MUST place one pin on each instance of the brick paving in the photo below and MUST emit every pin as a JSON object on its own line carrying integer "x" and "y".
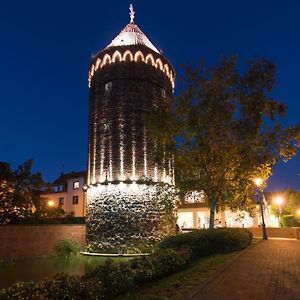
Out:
{"x": 268, "y": 270}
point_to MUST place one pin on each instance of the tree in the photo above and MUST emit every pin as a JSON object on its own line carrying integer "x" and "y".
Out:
{"x": 290, "y": 207}
{"x": 20, "y": 192}
{"x": 223, "y": 131}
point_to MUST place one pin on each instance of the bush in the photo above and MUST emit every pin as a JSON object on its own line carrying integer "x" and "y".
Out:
{"x": 114, "y": 278}
{"x": 290, "y": 221}
{"x": 205, "y": 242}
{"x": 66, "y": 247}
{"x": 62, "y": 286}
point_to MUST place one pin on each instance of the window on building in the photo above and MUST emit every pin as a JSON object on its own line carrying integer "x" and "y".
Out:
{"x": 108, "y": 86}
{"x": 61, "y": 201}
{"x": 58, "y": 188}
{"x": 76, "y": 185}
{"x": 75, "y": 199}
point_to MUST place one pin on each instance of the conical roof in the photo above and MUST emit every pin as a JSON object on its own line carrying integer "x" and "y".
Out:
{"x": 132, "y": 35}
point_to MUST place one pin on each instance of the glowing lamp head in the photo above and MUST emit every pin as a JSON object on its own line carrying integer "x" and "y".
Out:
{"x": 279, "y": 200}
{"x": 298, "y": 212}
{"x": 258, "y": 181}
{"x": 50, "y": 203}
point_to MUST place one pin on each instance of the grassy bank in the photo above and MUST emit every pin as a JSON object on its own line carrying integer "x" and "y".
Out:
{"x": 177, "y": 286}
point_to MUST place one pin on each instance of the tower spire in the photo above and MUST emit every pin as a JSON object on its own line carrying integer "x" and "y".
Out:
{"x": 131, "y": 14}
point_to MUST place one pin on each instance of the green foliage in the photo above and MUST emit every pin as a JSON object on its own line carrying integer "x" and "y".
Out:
{"x": 20, "y": 193}
{"x": 62, "y": 286}
{"x": 290, "y": 207}
{"x": 115, "y": 278}
{"x": 66, "y": 247}
{"x": 290, "y": 221}
{"x": 223, "y": 131}
{"x": 205, "y": 242}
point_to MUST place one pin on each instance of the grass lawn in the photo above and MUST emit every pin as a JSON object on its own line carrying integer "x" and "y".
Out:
{"x": 180, "y": 284}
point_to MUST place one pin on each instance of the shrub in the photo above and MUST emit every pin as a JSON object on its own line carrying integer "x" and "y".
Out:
{"x": 205, "y": 242}
{"x": 290, "y": 221}
{"x": 112, "y": 279}
{"x": 66, "y": 247}
{"x": 62, "y": 286}
{"x": 115, "y": 277}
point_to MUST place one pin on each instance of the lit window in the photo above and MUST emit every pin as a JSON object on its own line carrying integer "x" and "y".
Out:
{"x": 75, "y": 199}
{"x": 76, "y": 185}
{"x": 61, "y": 201}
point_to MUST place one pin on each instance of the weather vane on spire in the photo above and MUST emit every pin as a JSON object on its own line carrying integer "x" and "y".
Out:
{"x": 131, "y": 14}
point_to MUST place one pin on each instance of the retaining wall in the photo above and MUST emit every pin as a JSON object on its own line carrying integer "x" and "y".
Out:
{"x": 21, "y": 241}
{"x": 286, "y": 232}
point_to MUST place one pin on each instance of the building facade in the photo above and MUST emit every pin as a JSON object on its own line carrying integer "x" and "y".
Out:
{"x": 67, "y": 192}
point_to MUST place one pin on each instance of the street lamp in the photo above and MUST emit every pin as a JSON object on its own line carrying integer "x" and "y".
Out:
{"x": 279, "y": 201}
{"x": 259, "y": 184}
{"x": 50, "y": 203}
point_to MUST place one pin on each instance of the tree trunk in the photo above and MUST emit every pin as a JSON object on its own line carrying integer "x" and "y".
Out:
{"x": 213, "y": 204}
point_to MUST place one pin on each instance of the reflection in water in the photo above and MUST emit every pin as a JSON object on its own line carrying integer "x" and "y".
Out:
{"x": 38, "y": 268}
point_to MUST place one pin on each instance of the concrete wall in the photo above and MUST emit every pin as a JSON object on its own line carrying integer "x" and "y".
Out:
{"x": 21, "y": 241}
{"x": 286, "y": 232}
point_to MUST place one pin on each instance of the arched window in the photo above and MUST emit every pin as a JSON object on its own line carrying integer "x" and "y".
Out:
{"x": 92, "y": 70}
{"x": 106, "y": 60}
{"x": 116, "y": 57}
{"x": 159, "y": 64}
{"x": 98, "y": 62}
{"x": 166, "y": 69}
{"x": 127, "y": 56}
{"x": 139, "y": 56}
{"x": 150, "y": 59}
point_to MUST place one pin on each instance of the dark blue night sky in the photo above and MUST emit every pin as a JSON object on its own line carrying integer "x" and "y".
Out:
{"x": 46, "y": 47}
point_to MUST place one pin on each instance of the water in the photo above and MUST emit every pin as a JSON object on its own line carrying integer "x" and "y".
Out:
{"x": 39, "y": 268}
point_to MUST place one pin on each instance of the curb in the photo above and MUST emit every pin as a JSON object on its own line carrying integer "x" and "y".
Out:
{"x": 198, "y": 289}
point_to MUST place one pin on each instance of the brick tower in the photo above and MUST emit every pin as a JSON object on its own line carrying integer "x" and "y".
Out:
{"x": 126, "y": 190}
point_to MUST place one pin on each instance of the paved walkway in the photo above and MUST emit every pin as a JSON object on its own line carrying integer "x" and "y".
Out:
{"x": 268, "y": 270}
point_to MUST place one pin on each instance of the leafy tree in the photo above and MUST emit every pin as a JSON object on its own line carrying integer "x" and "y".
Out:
{"x": 20, "y": 192}
{"x": 223, "y": 131}
{"x": 293, "y": 203}
{"x": 290, "y": 207}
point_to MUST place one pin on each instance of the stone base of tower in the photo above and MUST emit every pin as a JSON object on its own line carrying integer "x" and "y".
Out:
{"x": 124, "y": 218}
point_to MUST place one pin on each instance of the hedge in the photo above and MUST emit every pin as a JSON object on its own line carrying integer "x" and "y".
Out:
{"x": 115, "y": 278}
{"x": 106, "y": 281}
{"x": 290, "y": 221}
{"x": 205, "y": 242}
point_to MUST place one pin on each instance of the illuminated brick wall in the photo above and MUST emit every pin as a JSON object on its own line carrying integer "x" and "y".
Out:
{"x": 126, "y": 217}
{"x": 121, "y": 93}
{"x": 126, "y": 82}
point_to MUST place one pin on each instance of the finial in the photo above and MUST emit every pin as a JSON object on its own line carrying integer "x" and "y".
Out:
{"x": 131, "y": 14}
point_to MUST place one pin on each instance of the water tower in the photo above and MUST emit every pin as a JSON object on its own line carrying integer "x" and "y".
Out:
{"x": 130, "y": 201}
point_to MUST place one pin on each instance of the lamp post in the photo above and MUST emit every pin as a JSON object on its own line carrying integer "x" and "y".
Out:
{"x": 279, "y": 202}
{"x": 259, "y": 184}
{"x": 51, "y": 203}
